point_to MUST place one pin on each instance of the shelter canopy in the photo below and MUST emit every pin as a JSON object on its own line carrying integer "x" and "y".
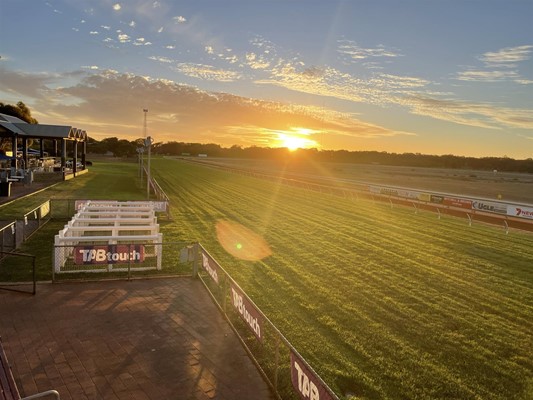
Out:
{"x": 13, "y": 126}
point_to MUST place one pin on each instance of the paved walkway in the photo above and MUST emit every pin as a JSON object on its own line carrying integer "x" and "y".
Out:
{"x": 142, "y": 339}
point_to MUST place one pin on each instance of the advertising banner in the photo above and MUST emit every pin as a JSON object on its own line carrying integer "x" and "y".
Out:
{"x": 78, "y": 204}
{"x": 210, "y": 266}
{"x": 457, "y": 202}
{"x": 389, "y": 191}
{"x": 408, "y": 194}
{"x": 305, "y": 382}
{"x": 489, "y": 206}
{"x": 437, "y": 199}
{"x": 247, "y": 311}
{"x": 45, "y": 209}
{"x": 424, "y": 196}
{"x": 160, "y": 206}
{"x": 109, "y": 254}
{"x": 520, "y": 211}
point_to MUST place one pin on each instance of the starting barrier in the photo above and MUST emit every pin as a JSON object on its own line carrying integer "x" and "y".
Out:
{"x": 107, "y": 235}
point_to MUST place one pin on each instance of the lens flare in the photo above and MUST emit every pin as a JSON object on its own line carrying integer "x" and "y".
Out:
{"x": 241, "y": 242}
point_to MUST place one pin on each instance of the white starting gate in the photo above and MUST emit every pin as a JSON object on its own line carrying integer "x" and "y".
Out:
{"x": 109, "y": 235}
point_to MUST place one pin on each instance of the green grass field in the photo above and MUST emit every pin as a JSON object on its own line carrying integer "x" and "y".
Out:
{"x": 383, "y": 303}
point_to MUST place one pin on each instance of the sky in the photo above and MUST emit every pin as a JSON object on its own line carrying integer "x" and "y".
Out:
{"x": 413, "y": 76}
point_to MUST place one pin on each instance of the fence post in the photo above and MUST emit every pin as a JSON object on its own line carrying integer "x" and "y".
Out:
{"x": 129, "y": 261}
{"x": 224, "y": 294}
{"x": 196, "y": 249}
{"x": 276, "y": 363}
{"x": 33, "y": 274}
{"x": 54, "y": 263}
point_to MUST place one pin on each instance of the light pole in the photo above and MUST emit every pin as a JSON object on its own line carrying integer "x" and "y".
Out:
{"x": 145, "y": 128}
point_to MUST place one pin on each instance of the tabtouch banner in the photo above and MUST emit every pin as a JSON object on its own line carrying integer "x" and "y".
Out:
{"x": 109, "y": 254}
{"x": 305, "y": 382}
{"x": 210, "y": 266}
{"x": 247, "y": 311}
{"x": 520, "y": 211}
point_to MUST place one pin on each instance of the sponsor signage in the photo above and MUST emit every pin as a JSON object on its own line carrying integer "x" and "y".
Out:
{"x": 389, "y": 191}
{"x": 247, "y": 311}
{"x": 78, "y": 204}
{"x": 520, "y": 211}
{"x": 45, "y": 209}
{"x": 408, "y": 194}
{"x": 489, "y": 206}
{"x": 424, "y": 196}
{"x": 160, "y": 206}
{"x": 437, "y": 199}
{"x": 109, "y": 254}
{"x": 305, "y": 382}
{"x": 210, "y": 266}
{"x": 456, "y": 202}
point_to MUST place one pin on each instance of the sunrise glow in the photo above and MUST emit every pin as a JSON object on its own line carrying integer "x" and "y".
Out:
{"x": 297, "y": 138}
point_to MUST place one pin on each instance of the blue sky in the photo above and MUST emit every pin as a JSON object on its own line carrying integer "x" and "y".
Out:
{"x": 425, "y": 76}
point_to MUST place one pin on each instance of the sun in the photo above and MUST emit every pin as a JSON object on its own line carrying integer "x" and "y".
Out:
{"x": 296, "y": 138}
{"x": 293, "y": 142}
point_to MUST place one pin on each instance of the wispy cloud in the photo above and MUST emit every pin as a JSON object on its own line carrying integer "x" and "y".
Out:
{"x": 507, "y": 56}
{"x": 499, "y": 66}
{"x": 469, "y": 113}
{"x": 207, "y": 72}
{"x": 161, "y": 59}
{"x": 487, "y": 76}
{"x": 352, "y": 51}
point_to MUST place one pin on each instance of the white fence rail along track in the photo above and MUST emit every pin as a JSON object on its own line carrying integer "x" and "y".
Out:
{"x": 507, "y": 214}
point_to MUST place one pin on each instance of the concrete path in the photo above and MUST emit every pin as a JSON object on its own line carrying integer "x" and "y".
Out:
{"x": 142, "y": 339}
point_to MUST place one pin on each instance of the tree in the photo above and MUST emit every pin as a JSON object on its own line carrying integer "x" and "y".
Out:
{"x": 20, "y": 111}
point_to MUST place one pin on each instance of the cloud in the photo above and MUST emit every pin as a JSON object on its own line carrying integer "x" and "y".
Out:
{"x": 487, "y": 76}
{"x": 469, "y": 113}
{"x": 107, "y": 103}
{"x": 123, "y": 38}
{"x": 161, "y": 59}
{"x": 179, "y": 19}
{"x": 499, "y": 66}
{"x": 207, "y": 72}
{"x": 508, "y": 56}
{"x": 23, "y": 84}
{"x": 141, "y": 42}
{"x": 256, "y": 61}
{"x": 351, "y": 51}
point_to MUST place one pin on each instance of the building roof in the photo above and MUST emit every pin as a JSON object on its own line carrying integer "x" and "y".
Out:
{"x": 10, "y": 126}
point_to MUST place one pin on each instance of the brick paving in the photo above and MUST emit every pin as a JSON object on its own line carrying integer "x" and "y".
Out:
{"x": 140, "y": 339}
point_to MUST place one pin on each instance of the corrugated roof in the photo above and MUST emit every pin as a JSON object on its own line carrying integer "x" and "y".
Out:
{"x": 21, "y": 128}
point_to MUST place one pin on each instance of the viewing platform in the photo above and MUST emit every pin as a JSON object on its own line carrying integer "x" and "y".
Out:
{"x": 143, "y": 339}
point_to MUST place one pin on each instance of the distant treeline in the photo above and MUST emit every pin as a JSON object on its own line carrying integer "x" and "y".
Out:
{"x": 126, "y": 148}
{"x": 344, "y": 156}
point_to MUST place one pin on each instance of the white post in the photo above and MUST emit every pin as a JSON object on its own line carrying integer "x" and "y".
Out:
{"x": 149, "y": 144}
